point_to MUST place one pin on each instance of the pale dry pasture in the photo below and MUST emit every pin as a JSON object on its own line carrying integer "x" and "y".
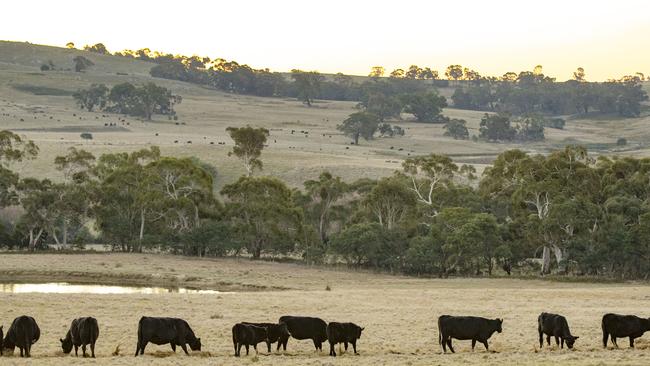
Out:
{"x": 399, "y": 313}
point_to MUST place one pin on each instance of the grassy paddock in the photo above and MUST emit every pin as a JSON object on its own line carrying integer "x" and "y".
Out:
{"x": 398, "y": 312}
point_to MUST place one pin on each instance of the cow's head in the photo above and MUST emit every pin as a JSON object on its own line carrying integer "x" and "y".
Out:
{"x": 359, "y": 330}
{"x": 570, "y": 340}
{"x": 499, "y": 325}
{"x": 66, "y": 345}
{"x": 196, "y": 345}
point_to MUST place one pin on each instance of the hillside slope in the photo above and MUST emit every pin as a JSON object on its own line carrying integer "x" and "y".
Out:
{"x": 304, "y": 141}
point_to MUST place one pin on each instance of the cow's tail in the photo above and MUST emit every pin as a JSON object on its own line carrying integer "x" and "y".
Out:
{"x": 234, "y": 340}
{"x": 439, "y": 332}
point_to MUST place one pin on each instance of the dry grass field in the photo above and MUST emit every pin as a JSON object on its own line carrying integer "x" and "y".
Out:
{"x": 398, "y": 312}
{"x": 55, "y": 123}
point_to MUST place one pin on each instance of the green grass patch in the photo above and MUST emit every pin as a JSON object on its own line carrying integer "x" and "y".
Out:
{"x": 42, "y": 90}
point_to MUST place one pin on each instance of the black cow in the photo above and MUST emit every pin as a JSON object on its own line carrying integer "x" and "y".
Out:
{"x": 343, "y": 333}
{"x": 302, "y": 327}
{"x": 82, "y": 332}
{"x": 159, "y": 331}
{"x": 22, "y": 333}
{"x": 554, "y": 325}
{"x": 276, "y": 332}
{"x": 248, "y": 335}
{"x": 620, "y": 326}
{"x": 466, "y": 327}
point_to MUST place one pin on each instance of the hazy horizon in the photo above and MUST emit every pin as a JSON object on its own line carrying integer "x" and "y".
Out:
{"x": 607, "y": 40}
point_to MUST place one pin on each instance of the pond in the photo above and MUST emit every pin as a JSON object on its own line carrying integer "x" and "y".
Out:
{"x": 68, "y": 288}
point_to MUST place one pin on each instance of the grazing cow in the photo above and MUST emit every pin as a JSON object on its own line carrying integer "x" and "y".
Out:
{"x": 159, "y": 331}
{"x": 22, "y": 333}
{"x": 466, "y": 327}
{"x": 621, "y": 326}
{"x": 343, "y": 333}
{"x": 82, "y": 332}
{"x": 554, "y": 325}
{"x": 276, "y": 332}
{"x": 248, "y": 335}
{"x": 302, "y": 327}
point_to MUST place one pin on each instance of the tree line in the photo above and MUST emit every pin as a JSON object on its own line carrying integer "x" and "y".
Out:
{"x": 565, "y": 213}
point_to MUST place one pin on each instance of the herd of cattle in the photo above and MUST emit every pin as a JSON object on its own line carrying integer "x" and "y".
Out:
{"x": 83, "y": 332}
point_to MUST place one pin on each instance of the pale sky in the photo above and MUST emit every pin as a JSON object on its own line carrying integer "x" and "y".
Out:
{"x": 608, "y": 38}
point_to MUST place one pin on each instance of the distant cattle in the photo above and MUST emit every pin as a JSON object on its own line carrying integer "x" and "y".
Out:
{"x": 343, "y": 333}
{"x": 465, "y": 328}
{"x": 554, "y": 325}
{"x": 621, "y": 326}
{"x": 22, "y": 333}
{"x": 159, "y": 331}
{"x": 248, "y": 335}
{"x": 302, "y": 327}
{"x": 276, "y": 332}
{"x": 82, "y": 332}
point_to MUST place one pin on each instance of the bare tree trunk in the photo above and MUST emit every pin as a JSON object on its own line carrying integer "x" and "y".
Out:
{"x": 559, "y": 256}
{"x": 65, "y": 234}
{"x": 546, "y": 260}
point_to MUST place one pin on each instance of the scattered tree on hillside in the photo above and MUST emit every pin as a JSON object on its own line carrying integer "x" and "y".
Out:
{"x": 456, "y": 128}
{"x": 97, "y": 48}
{"x": 360, "y": 124}
{"x": 397, "y": 74}
{"x": 377, "y": 72}
{"x": 579, "y": 75}
{"x": 454, "y": 72}
{"x": 95, "y": 96}
{"x": 425, "y": 107}
{"x": 308, "y": 85}
{"x": 69, "y": 45}
{"x": 81, "y": 63}
{"x": 249, "y": 143}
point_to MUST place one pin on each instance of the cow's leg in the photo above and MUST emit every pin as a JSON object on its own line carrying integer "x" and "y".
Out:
{"x": 255, "y": 348}
{"x": 548, "y": 340}
{"x": 137, "y": 349}
{"x": 354, "y": 347}
{"x": 557, "y": 340}
{"x": 449, "y": 345}
{"x": 246, "y": 349}
{"x": 562, "y": 343}
{"x": 173, "y": 347}
{"x": 541, "y": 339}
{"x": 21, "y": 352}
{"x": 238, "y": 351}
{"x": 184, "y": 347}
{"x": 92, "y": 349}
{"x": 76, "y": 350}
{"x": 605, "y": 337}
{"x": 83, "y": 350}
{"x": 332, "y": 351}
{"x": 345, "y": 344}
{"x": 485, "y": 343}
{"x": 268, "y": 345}
{"x": 473, "y": 343}
{"x": 631, "y": 342}
{"x": 614, "y": 341}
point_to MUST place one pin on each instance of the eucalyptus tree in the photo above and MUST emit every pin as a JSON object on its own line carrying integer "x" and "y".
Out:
{"x": 263, "y": 210}
{"x": 249, "y": 143}
{"x": 326, "y": 195}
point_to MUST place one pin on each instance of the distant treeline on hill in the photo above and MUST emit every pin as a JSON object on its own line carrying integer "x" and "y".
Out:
{"x": 520, "y": 93}
{"x": 565, "y": 213}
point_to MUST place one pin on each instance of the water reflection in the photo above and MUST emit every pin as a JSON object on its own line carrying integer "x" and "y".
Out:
{"x": 67, "y": 288}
